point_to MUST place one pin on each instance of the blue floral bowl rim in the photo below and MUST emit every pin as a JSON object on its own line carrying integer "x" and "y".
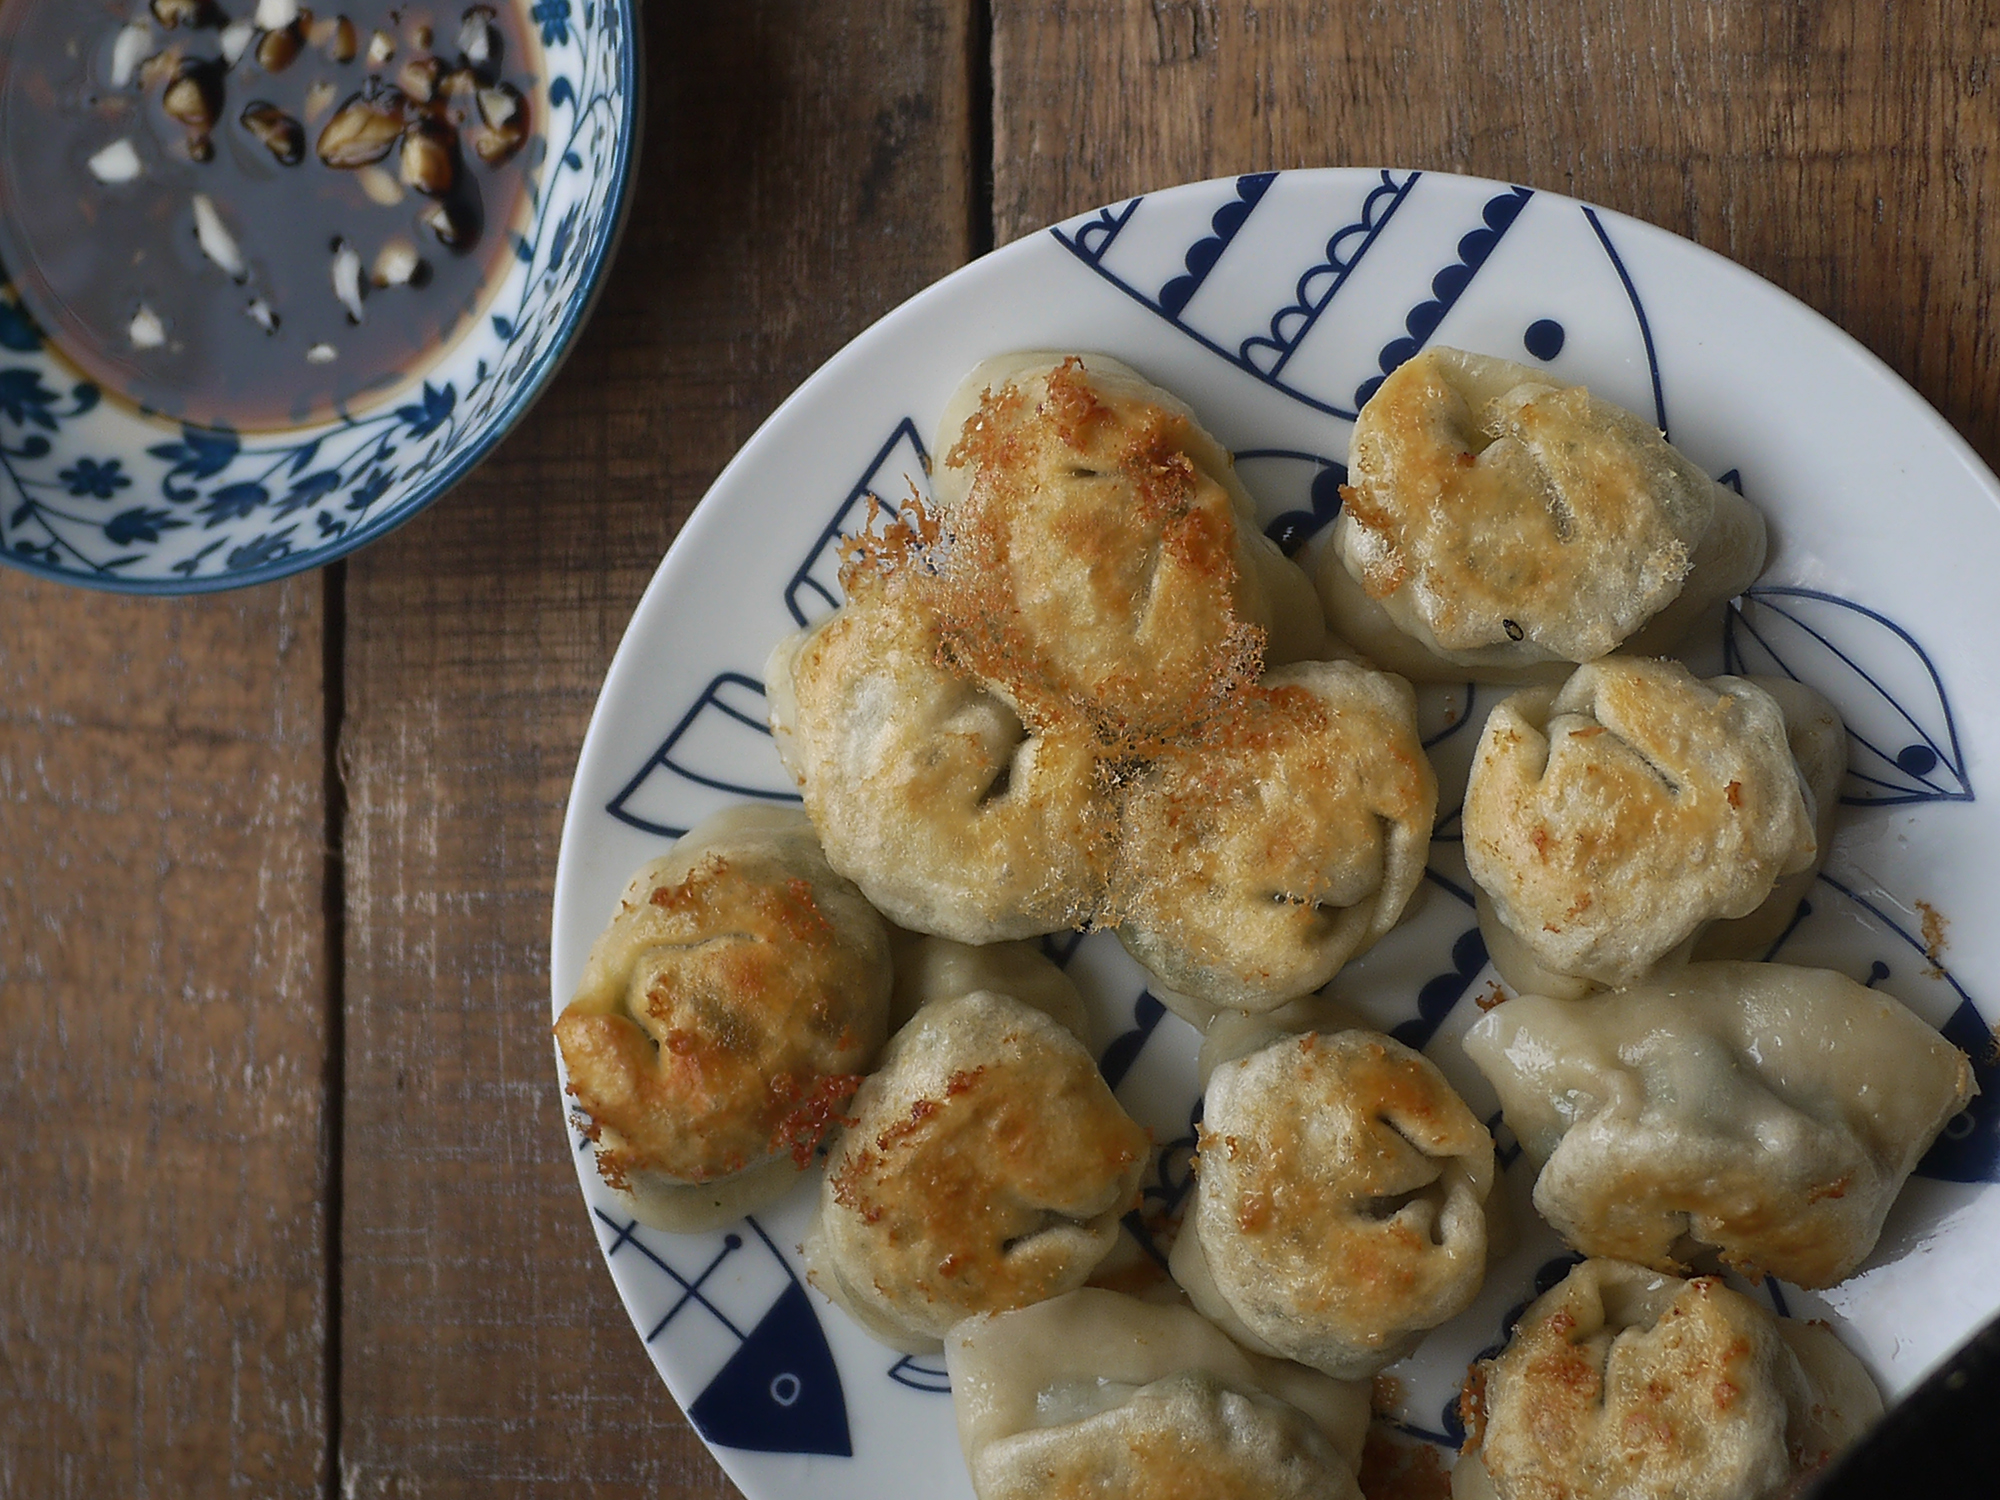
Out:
{"x": 625, "y": 148}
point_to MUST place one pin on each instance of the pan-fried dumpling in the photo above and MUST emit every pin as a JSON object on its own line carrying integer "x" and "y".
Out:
{"x": 1771, "y": 1112}
{"x": 1624, "y": 1384}
{"x": 986, "y": 1166}
{"x": 928, "y": 791}
{"x": 1339, "y": 1206}
{"x": 929, "y": 969}
{"x": 1097, "y": 1396}
{"x": 724, "y": 1017}
{"x": 1101, "y": 561}
{"x": 1818, "y": 741}
{"x": 1257, "y": 860}
{"x": 1498, "y": 519}
{"x": 1089, "y": 591}
{"x": 1608, "y": 822}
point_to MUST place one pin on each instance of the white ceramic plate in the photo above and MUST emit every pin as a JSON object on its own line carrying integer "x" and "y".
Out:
{"x": 1272, "y": 304}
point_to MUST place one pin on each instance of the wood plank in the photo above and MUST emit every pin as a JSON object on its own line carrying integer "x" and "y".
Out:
{"x": 804, "y": 168}
{"x": 1846, "y": 150}
{"x": 163, "y": 1025}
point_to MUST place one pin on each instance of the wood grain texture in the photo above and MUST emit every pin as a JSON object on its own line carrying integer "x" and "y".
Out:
{"x": 163, "y": 984}
{"x": 804, "y": 168}
{"x": 163, "y": 1025}
{"x": 1846, "y": 149}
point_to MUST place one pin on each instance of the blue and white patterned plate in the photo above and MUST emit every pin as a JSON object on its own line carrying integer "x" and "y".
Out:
{"x": 92, "y": 492}
{"x": 1273, "y": 304}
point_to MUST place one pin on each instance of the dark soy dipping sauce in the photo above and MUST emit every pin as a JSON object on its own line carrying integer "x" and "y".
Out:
{"x": 117, "y": 271}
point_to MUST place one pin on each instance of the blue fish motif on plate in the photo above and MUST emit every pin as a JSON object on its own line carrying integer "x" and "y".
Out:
{"x": 717, "y": 754}
{"x": 1902, "y": 738}
{"x": 779, "y": 1391}
{"x": 901, "y": 471}
{"x": 1375, "y": 282}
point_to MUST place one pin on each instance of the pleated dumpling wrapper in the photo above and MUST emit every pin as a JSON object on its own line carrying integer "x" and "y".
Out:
{"x": 1818, "y": 739}
{"x": 1340, "y": 1198}
{"x": 1770, "y": 1112}
{"x": 929, "y": 969}
{"x": 723, "y": 1019}
{"x": 1098, "y": 1396}
{"x": 985, "y": 1166}
{"x": 1068, "y": 655}
{"x": 1608, "y": 822}
{"x": 930, "y": 792}
{"x": 1622, "y": 1383}
{"x": 1497, "y": 520}
{"x": 1103, "y": 562}
{"x": 1255, "y": 861}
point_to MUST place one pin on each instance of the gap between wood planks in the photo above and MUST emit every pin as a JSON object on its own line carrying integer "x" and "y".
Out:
{"x": 333, "y": 682}
{"x": 980, "y": 235}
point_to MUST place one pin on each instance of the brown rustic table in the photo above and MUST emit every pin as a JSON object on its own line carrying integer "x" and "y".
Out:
{"x": 285, "y": 1207}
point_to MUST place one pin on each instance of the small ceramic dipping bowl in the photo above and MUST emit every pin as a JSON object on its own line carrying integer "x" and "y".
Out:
{"x": 94, "y": 492}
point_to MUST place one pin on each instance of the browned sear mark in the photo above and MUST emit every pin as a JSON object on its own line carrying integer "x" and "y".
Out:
{"x": 816, "y": 1109}
{"x": 1934, "y": 925}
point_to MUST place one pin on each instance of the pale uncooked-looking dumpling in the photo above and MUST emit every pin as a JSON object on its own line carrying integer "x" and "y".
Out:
{"x": 1497, "y": 519}
{"x": 1609, "y": 821}
{"x": 1097, "y": 1396}
{"x": 1101, "y": 561}
{"x": 724, "y": 1017}
{"x": 929, "y": 969}
{"x": 1768, "y": 1111}
{"x": 1625, "y": 1384}
{"x": 1254, "y": 861}
{"x": 927, "y": 790}
{"x": 985, "y": 1166}
{"x": 1339, "y": 1207}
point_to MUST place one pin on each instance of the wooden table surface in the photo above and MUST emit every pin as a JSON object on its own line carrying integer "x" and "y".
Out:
{"x": 285, "y": 1205}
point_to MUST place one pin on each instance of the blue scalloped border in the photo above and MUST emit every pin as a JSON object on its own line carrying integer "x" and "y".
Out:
{"x": 1107, "y": 226}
